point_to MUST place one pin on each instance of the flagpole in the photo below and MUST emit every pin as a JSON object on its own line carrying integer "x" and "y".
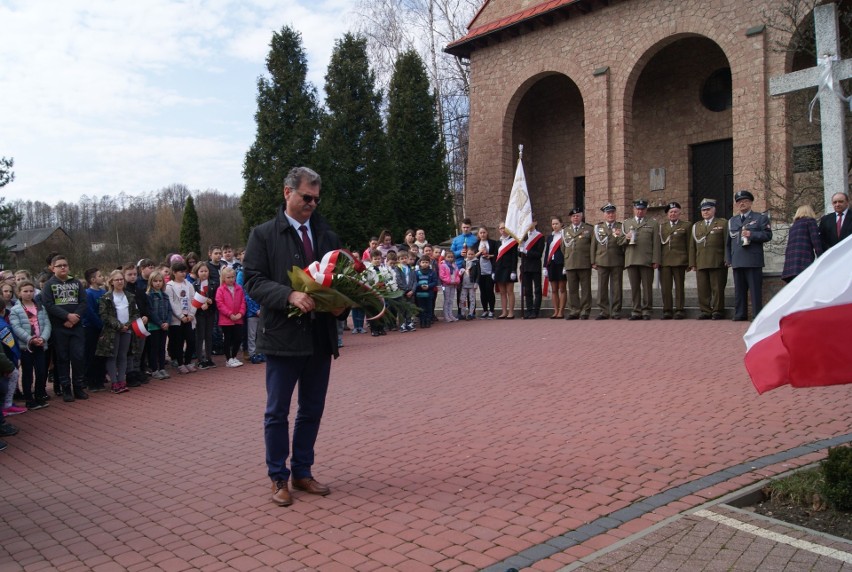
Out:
{"x": 521, "y": 273}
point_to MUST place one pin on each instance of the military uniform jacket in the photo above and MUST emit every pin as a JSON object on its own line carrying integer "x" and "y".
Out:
{"x": 607, "y": 249}
{"x": 674, "y": 243}
{"x": 646, "y": 251}
{"x": 577, "y": 246}
{"x": 751, "y": 256}
{"x": 707, "y": 244}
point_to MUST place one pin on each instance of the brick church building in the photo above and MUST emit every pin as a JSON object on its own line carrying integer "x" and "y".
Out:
{"x": 616, "y": 100}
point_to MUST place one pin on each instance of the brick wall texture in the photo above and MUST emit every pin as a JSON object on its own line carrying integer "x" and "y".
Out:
{"x": 538, "y": 89}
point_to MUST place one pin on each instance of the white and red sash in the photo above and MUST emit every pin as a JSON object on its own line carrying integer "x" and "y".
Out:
{"x": 505, "y": 247}
{"x": 555, "y": 245}
{"x": 532, "y": 239}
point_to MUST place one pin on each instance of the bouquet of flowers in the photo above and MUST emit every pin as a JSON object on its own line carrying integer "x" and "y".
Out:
{"x": 382, "y": 280}
{"x": 341, "y": 281}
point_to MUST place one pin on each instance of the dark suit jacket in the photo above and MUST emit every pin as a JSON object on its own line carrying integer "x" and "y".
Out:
{"x": 273, "y": 249}
{"x": 531, "y": 260}
{"x": 828, "y": 229}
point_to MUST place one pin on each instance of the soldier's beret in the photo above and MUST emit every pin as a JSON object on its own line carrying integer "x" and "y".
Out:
{"x": 672, "y": 205}
{"x": 743, "y": 195}
{"x": 640, "y": 204}
{"x": 576, "y": 210}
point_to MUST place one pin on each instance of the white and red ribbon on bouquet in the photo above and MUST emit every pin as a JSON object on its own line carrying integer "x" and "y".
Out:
{"x": 323, "y": 273}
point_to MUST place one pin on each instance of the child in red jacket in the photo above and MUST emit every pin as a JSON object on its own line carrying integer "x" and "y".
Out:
{"x": 231, "y": 302}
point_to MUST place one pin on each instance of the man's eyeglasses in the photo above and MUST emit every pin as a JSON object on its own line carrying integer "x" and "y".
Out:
{"x": 60, "y": 266}
{"x": 308, "y": 198}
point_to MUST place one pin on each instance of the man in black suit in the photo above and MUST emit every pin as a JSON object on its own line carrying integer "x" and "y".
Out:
{"x": 298, "y": 349}
{"x": 836, "y": 226}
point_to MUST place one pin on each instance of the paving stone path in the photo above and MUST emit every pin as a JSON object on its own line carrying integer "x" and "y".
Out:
{"x": 479, "y": 445}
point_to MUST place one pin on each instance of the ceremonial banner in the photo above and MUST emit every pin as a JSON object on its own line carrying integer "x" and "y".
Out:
{"x": 519, "y": 214}
{"x": 802, "y": 336}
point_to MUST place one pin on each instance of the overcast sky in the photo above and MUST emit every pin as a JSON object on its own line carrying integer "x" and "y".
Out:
{"x": 103, "y": 96}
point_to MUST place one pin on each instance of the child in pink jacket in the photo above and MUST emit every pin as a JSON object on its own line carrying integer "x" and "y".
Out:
{"x": 448, "y": 273}
{"x": 231, "y": 303}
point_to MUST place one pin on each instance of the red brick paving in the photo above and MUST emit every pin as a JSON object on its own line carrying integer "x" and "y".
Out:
{"x": 447, "y": 449}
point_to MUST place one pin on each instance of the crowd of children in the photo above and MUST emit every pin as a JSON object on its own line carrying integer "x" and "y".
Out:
{"x": 144, "y": 319}
{"x": 112, "y": 333}
{"x": 421, "y": 272}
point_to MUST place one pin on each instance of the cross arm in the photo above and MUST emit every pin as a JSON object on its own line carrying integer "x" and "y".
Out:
{"x": 806, "y": 78}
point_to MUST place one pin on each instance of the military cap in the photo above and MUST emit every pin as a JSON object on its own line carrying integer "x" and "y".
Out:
{"x": 640, "y": 204}
{"x": 743, "y": 195}
{"x": 707, "y": 203}
{"x": 608, "y": 208}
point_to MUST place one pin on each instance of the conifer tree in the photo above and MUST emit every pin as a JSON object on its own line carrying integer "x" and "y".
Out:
{"x": 190, "y": 233}
{"x": 287, "y": 120}
{"x": 9, "y": 217}
{"x": 352, "y": 148}
{"x": 421, "y": 187}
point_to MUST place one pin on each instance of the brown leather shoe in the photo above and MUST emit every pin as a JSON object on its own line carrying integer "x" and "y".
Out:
{"x": 310, "y": 485}
{"x": 281, "y": 494}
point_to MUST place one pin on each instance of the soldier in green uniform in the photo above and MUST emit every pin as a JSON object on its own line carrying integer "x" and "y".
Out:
{"x": 608, "y": 259}
{"x": 674, "y": 240}
{"x": 707, "y": 258}
{"x": 577, "y": 240}
{"x": 642, "y": 257}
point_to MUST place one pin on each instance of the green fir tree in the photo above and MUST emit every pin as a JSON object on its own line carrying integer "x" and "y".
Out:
{"x": 421, "y": 193}
{"x": 9, "y": 217}
{"x": 287, "y": 120}
{"x": 352, "y": 150}
{"x": 190, "y": 233}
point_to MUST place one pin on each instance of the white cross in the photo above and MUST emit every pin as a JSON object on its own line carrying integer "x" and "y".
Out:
{"x": 832, "y": 110}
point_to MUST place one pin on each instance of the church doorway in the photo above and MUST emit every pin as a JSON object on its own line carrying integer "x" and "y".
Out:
{"x": 549, "y": 123}
{"x": 680, "y": 125}
{"x": 713, "y": 177}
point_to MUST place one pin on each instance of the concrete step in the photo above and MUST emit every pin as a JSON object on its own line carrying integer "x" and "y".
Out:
{"x": 691, "y": 308}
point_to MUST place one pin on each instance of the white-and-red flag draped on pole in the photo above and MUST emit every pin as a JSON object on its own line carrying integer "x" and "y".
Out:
{"x": 803, "y": 335}
{"x": 519, "y": 217}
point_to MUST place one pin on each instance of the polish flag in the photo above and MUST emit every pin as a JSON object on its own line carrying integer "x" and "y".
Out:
{"x": 198, "y": 300}
{"x": 803, "y": 335}
{"x": 139, "y": 328}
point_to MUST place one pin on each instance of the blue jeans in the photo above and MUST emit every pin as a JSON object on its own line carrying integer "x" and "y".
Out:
{"x": 282, "y": 375}
{"x": 357, "y": 318}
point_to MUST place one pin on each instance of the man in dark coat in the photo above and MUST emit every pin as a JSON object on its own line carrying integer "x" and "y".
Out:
{"x": 298, "y": 349}
{"x": 834, "y": 227}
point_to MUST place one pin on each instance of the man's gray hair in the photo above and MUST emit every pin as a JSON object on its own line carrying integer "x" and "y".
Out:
{"x": 297, "y": 174}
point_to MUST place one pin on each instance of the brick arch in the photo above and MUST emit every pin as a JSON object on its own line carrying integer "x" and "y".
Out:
{"x": 677, "y": 188}
{"x": 554, "y": 153}
{"x": 524, "y": 79}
